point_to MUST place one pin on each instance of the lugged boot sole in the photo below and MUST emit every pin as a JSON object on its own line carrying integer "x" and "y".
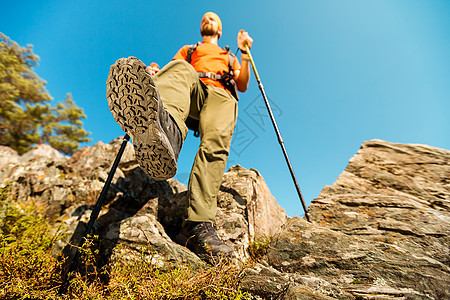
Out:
{"x": 134, "y": 102}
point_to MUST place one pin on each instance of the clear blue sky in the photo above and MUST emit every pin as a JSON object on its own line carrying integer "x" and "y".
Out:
{"x": 338, "y": 73}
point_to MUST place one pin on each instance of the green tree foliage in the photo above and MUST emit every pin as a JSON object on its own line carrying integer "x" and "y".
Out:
{"x": 26, "y": 117}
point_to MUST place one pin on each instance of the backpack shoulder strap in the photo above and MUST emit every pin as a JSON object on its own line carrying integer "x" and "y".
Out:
{"x": 227, "y": 48}
{"x": 230, "y": 61}
{"x": 190, "y": 51}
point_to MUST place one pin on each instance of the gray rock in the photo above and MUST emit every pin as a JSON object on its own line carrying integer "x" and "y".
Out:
{"x": 305, "y": 248}
{"x": 8, "y": 156}
{"x": 301, "y": 292}
{"x": 265, "y": 281}
{"x": 143, "y": 235}
{"x": 381, "y": 231}
{"x": 138, "y": 212}
{"x": 43, "y": 151}
{"x": 398, "y": 194}
{"x": 246, "y": 209}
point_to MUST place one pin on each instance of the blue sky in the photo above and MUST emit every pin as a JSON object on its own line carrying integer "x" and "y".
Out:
{"x": 337, "y": 73}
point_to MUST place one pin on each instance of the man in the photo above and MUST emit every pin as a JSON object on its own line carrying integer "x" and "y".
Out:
{"x": 153, "y": 111}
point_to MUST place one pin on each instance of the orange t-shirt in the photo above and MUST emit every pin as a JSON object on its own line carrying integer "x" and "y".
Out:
{"x": 208, "y": 57}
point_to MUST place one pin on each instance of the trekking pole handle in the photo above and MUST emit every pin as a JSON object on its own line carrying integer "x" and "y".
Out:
{"x": 247, "y": 49}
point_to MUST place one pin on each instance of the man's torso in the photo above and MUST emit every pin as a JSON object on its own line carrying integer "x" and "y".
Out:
{"x": 209, "y": 57}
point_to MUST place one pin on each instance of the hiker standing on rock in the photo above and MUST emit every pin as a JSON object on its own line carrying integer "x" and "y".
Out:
{"x": 197, "y": 88}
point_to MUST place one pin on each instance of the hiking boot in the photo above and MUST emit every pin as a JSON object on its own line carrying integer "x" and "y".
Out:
{"x": 202, "y": 239}
{"x": 135, "y": 104}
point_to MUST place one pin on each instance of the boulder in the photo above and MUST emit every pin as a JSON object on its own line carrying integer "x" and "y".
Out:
{"x": 43, "y": 151}
{"x": 353, "y": 264}
{"x": 394, "y": 193}
{"x": 246, "y": 208}
{"x": 381, "y": 231}
{"x": 8, "y": 156}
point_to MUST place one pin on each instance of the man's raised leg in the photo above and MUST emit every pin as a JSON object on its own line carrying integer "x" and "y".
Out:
{"x": 136, "y": 106}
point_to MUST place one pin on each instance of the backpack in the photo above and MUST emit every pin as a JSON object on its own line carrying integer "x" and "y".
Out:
{"x": 226, "y": 79}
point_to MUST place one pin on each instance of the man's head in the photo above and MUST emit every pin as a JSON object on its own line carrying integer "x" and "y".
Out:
{"x": 211, "y": 25}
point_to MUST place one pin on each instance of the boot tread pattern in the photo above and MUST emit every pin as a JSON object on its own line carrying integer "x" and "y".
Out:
{"x": 134, "y": 101}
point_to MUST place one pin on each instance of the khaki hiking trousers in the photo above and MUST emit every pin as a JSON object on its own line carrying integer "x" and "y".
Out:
{"x": 183, "y": 94}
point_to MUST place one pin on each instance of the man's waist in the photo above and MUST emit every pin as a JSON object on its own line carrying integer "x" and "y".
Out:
{"x": 211, "y": 75}
{"x": 214, "y": 82}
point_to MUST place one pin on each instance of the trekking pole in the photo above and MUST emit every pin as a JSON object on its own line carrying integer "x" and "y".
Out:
{"x": 94, "y": 215}
{"x": 277, "y": 131}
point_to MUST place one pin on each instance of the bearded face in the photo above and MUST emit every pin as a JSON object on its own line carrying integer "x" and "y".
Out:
{"x": 209, "y": 26}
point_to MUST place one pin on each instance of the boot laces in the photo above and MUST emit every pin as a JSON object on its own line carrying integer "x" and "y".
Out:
{"x": 206, "y": 231}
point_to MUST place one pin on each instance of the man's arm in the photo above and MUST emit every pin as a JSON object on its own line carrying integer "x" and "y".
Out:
{"x": 242, "y": 77}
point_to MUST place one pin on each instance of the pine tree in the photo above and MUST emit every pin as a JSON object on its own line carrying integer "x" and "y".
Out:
{"x": 26, "y": 117}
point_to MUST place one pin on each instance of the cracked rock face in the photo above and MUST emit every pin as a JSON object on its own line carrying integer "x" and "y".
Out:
{"x": 393, "y": 193}
{"x": 381, "y": 231}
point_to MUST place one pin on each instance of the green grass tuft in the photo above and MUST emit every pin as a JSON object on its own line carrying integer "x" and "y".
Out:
{"x": 258, "y": 247}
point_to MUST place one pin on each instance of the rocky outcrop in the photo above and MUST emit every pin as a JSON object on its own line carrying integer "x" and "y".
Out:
{"x": 139, "y": 212}
{"x": 397, "y": 194}
{"x": 381, "y": 231}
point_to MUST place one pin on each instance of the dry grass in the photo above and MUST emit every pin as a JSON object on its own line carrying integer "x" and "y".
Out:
{"x": 29, "y": 271}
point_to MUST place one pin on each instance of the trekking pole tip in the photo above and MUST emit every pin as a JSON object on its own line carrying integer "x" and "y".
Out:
{"x": 307, "y": 217}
